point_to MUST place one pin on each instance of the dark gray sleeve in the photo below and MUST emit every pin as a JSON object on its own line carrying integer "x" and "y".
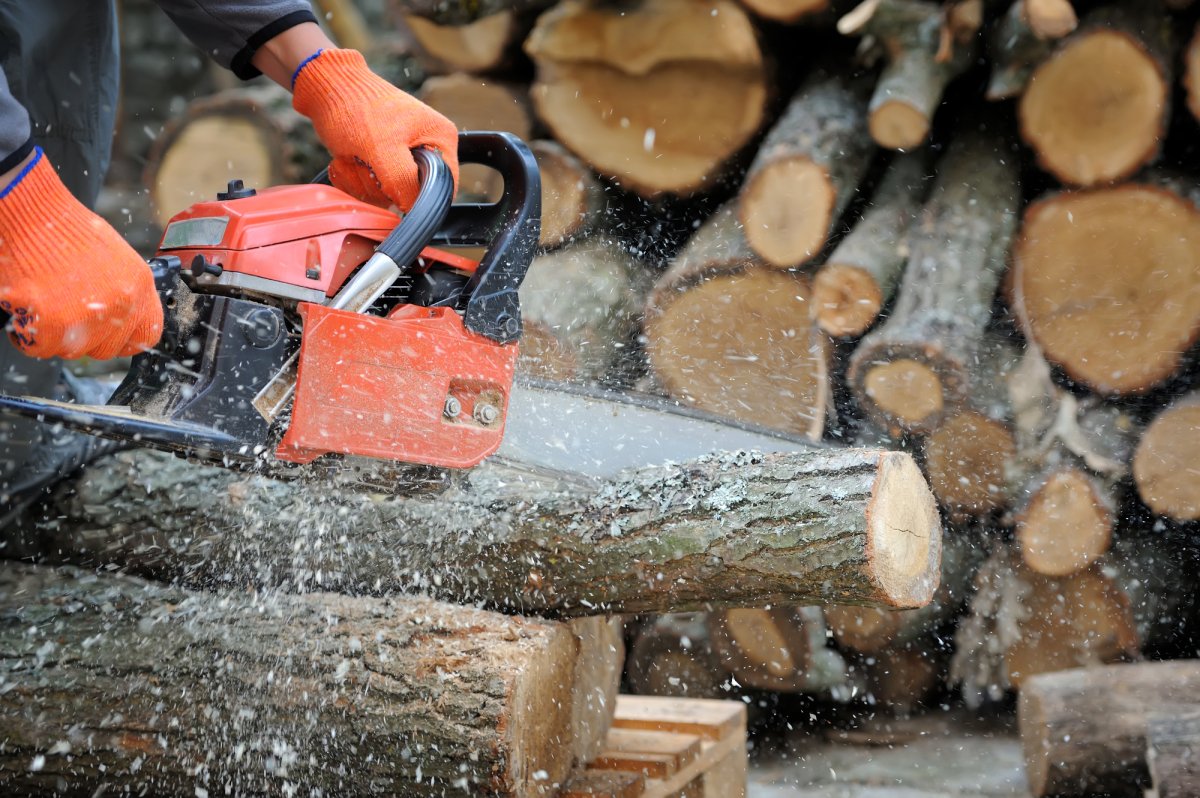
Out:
{"x": 231, "y": 31}
{"x": 15, "y": 143}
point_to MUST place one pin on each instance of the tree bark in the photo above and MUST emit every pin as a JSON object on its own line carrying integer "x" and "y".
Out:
{"x": 915, "y": 369}
{"x": 1104, "y": 282}
{"x": 730, "y": 335}
{"x": 1163, "y": 466}
{"x": 659, "y": 95}
{"x": 807, "y": 170}
{"x": 1084, "y": 730}
{"x": 854, "y": 526}
{"x": 582, "y": 306}
{"x": 1022, "y": 624}
{"x": 781, "y": 649}
{"x": 1015, "y": 50}
{"x": 861, "y": 275}
{"x": 1173, "y": 753}
{"x": 249, "y": 133}
{"x": 573, "y": 201}
{"x": 923, "y": 56}
{"x": 126, "y": 685}
{"x": 1096, "y": 110}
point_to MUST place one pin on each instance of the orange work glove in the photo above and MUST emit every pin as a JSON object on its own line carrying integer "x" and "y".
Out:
{"x": 369, "y": 126}
{"x": 70, "y": 282}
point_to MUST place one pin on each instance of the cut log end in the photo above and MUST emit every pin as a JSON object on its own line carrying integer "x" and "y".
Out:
{"x": 572, "y": 198}
{"x": 787, "y": 10}
{"x": 966, "y": 459}
{"x": 896, "y": 125}
{"x": 904, "y": 533}
{"x": 1165, "y": 462}
{"x": 867, "y": 630}
{"x": 475, "y": 47}
{"x": 846, "y": 299}
{"x": 757, "y": 358}
{"x": 907, "y": 391}
{"x": 1065, "y": 526}
{"x": 1137, "y": 249}
{"x": 1095, "y": 110}
{"x": 1051, "y": 19}
{"x": 786, "y": 211}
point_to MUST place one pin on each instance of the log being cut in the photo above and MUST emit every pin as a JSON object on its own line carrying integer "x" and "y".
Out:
{"x": 916, "y": 368}
{"x": 112, "y": 683}
{"x": 658, "y": 94}
{"x": 735, "y": 529}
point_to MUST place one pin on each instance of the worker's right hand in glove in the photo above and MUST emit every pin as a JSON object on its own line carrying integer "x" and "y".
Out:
{"x": 72, "y": 286}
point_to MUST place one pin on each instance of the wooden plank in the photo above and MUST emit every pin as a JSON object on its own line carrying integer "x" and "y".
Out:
{"x": 683, "y": 747}
{"x": 727, "y": 778}
{"x": 713, "y": 719}
{"x": 711, "y": 753}
{"x": 604, "y": 784}
{"x": 654, "y": 766}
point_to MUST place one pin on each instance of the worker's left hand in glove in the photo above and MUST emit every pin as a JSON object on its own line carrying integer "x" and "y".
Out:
{"x": 369, "y": 126}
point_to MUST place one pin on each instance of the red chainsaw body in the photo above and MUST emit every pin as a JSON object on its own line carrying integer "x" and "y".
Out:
{"x": 368, "y": 385}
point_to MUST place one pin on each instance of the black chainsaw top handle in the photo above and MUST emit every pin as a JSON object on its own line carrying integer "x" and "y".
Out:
{"x": 509, "y": 228}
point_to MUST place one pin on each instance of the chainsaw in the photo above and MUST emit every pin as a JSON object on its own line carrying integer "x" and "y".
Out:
{"x": 308, "y": 334}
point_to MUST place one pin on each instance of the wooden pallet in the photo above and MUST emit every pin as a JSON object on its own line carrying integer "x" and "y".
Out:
{"x": 668, "y": 748}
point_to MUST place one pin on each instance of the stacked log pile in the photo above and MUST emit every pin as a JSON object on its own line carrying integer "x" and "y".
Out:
{"x": 966, "y": 230}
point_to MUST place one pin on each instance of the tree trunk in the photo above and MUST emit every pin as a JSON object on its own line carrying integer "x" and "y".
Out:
{"x": 1022, "y": 624}
{"x": 861, "y": 275}
{"x": 472, "y": 103}
{"x": 726, "y": 530}
{"x": 582, "y": 308}
{"x": 659, "y": 95}
{"x": 1164, "y": 464}
{"x": 1084, "y": 730}
{"x": 672, "y": 656}
{"x": 1095, "y": 111}
{"x": 916, "y": 369}
{"x": 914, "y": 37}
{"x": 118, "y": 683}
{"x": 1173, "y": 752}
{"x": 249, "y": 133}
{"x": 1015, "y": 50}
{"x": 1073, "y": 454}
{"x": 573, "y": 201}
{"x": 781, "y": 649}
{"x": 806, "y": 171}
{"x": 1104, "y": 282}
{"x": 732, "y": 336}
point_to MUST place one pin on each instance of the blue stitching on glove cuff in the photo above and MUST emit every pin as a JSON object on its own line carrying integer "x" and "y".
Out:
{"x": 21, "y": 174}
{"x": 303, "y": 64}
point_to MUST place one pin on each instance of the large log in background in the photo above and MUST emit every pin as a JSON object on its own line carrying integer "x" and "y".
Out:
{"x": 114, "y": 683}
{"x": 819, "y": 527}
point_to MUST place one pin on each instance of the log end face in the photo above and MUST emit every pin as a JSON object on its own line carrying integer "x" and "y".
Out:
{"x": 846, "y": 299}
{"x": 1095, "y": 111}
{"x": 904, "y": 533}
{"x": 1164, "y": 465}
{"x": 1066, "y": 527}
{"x": 786, "y": 211}
{"x": 905, "y": 392}
{"x": 966, "y": 459}
{"x": 896, "y": 125}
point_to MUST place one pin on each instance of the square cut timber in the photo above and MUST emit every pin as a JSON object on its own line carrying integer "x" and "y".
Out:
{"x": 668, "y": 748}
